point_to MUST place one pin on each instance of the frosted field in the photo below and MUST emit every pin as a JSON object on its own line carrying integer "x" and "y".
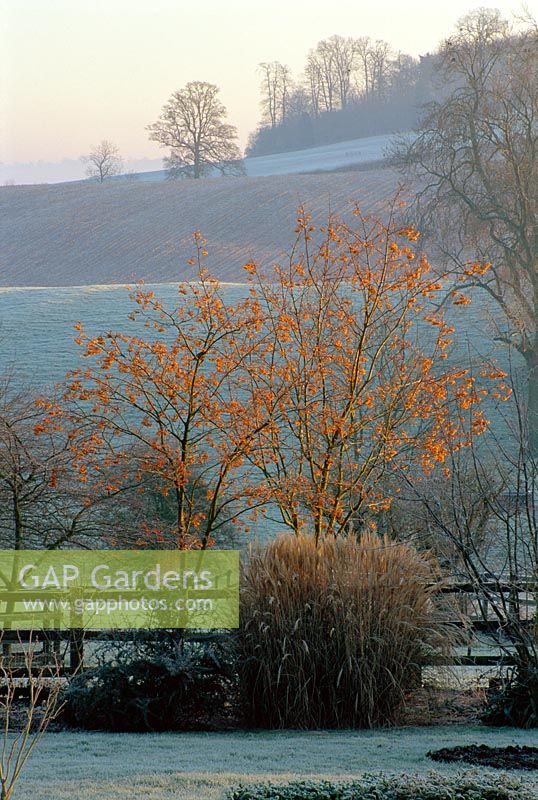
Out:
{"x": 352, "y": 153}
{"x": 36, "y": 326}
{"x": 85, "y": 234}
{"x": 37, "y": 336}
{"x": 200, "y": 766}
{"x": 327, "y": 157}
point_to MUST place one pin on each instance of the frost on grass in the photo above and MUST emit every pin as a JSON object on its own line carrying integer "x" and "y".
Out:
{"x": 76, "y": 766}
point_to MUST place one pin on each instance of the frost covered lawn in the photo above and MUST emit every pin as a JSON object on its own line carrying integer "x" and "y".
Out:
{"x": 198, "y": 766}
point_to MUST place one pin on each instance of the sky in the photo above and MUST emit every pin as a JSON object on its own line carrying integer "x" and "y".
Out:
{"x": 75, "y": 72}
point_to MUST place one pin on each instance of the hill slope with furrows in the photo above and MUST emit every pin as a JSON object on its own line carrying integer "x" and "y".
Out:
{"x": 90, "y": 234}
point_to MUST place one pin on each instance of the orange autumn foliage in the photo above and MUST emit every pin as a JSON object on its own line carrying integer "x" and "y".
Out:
{"x": 329, "y": 374}
{"x": 349, "y": 391}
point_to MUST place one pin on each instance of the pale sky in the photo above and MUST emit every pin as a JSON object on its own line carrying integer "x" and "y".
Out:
{"x": 78, "y": 71}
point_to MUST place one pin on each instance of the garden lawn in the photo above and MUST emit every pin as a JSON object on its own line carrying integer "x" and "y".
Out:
{"x": 201, "y": 766}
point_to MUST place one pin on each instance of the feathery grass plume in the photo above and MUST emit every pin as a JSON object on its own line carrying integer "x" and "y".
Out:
{"x": 333, "y": 635}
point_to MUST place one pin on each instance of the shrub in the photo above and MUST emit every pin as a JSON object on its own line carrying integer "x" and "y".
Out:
{"x": 170, "y": 689}
{"x": 514, "y": 700}
{"x": 334, "y": 635}
{"x": 372, "y": 787}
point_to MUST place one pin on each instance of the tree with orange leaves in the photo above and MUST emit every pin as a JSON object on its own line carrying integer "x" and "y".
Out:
{"x": 327, "y": 376}
{"x": 164, "y": 404}
{"x": 352, "y": 380}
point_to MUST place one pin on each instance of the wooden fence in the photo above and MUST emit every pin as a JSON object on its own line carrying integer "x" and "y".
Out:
{"x": 68, "y": 646}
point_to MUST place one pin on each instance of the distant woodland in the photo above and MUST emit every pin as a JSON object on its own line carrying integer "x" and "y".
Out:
{"x": 349, "y": 88}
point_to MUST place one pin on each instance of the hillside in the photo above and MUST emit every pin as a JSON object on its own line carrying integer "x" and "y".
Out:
{"x": 349, "y": 153}
{"x": 81, "y": 234}
{"x": 324, "y": 158}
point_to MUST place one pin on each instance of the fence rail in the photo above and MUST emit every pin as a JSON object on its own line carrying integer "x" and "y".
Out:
{"x": 69, "y": 645}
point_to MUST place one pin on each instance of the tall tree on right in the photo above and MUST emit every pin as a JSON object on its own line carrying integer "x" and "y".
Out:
{"x": 475, "y": 161}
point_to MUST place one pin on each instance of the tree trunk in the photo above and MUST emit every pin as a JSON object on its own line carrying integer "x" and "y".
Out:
{"x": 531, "y": 358}
{"x": 197, "y": 162}
{"x": 17, "y": 519}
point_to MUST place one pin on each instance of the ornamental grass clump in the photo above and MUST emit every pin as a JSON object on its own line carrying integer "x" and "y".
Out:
{"x": 333, "y": 635}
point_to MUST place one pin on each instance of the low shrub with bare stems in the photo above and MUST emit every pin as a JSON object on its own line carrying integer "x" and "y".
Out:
{"x": 41, "y": 684}
{"x": 334, "y": 635}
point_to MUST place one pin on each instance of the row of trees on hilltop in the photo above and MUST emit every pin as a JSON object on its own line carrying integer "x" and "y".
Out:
{"x": 192, "y": 125}
{"x": 340, "y": 73}
{"x": 350, "y": 87}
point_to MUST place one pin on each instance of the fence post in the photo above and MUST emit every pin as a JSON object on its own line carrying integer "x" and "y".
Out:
{"x": 76, "y": 650}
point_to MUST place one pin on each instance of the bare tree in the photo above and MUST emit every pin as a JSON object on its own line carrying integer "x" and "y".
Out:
{"x": 192, "y": 126}
{"x": 329, "y": 72}
{"x": 381, "y": 55}
{"x": 276, "y": 86}
{"x": 49, "y": 498}
{"x": 43, "y": 685}
{"x": 339, "y": 64}
{"x": 322, "y": 68}
{"x": 405, "y": 72}
{"x": 313, "y": 83}
{"x": 483, "y": 523}
{"x": 475, "y": 159}
{"x": 103, "y": 161}
{"x": 29, "y": 468}
{"x": 299, "y": 101}
{"x": 363, "y": 57}
{"x": 340, "y": 56}
{"x": 375, "y": 62}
